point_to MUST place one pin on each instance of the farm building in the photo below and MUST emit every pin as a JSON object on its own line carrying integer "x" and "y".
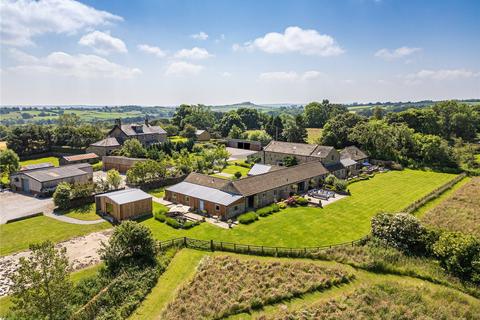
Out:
{"x": 41, "y": 165}
{"x": 244, "y": 144}
{"x": 227, "y": 199}
{"x": 104, "y": 147}
{"x": 259, "y": 168}
{"x": 119, "y": 163}
{"x": 79, "y": 158}
{"x": 124, "y": 204}
{"x": 43, "y": 181}
{"x": 202, "y": 135}
{"x": 354, "y": 153}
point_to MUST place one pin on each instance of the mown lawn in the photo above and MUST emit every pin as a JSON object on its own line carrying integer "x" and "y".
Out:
{"x": 345, "y": 220}
{"x": 52, "y": 160}
{"x": 17, "y": 236}
{"x": 85, "y": 212}
{"x": 178, "y": 139}
{"x": 159, "y": 192}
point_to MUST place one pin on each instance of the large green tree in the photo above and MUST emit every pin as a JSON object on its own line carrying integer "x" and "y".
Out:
{"x": 9, "y": 162}
{"x": 228, "y": 121}
{"x": 337, "y": 129}
{"x": 274, "y": 127}
{"x": 132, "y": 148}
{"x": 250, "y": 117}
{"x": 42, "y": 287}
{"x": 317, "y": 114}
{"x": 295, "y": 130}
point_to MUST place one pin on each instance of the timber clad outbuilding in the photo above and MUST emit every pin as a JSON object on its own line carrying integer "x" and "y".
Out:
{"x": 119, "y": 163}
{"x": 227, "y": 199}
{"x": 79, "y": 158}
{"x": 124, "y": 204}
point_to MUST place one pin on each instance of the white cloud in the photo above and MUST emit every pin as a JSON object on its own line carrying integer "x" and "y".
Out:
{"x": 439, "y": 75}
{"x": 294, "y": 39}
{"x": 398, "y": 53}
{"x": 226, "y": 74}
{"x": 200, "y": 36}
{"x": 22, "y": 20}
{"x": 181, "y": 68}
{"x": 152, "y": 50}
{"x": 80, "y": 66}
{"x": 22, "y": 57}
{"x": 103, "y": 43}
{"x": 194, "y": 54}
{"x": 289, "y": 76}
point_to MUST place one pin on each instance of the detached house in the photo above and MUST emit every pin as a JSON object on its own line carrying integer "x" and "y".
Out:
{"x": 145, "y": 133}
{"x": 227, "y": 198}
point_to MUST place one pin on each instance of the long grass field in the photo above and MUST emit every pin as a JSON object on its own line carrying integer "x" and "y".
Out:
{"x": 345, "y": 220}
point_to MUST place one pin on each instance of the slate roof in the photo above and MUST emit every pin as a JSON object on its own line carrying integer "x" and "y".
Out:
{"x": 348, "y": 162}
{"x": 126, "y": 196}
{"x": 204, "y": 193}
{"x": 208, "y": 181}
{"x": 335, "y": 166}
{"x": 353, "y": 152}
{"x": 36, "y": 166}
{"x": 301, "y": 149}
{"x": 56, "y": 173}
{"x": 262, "y": 168}
{"x": 140, "y": 129}
{"x": 79, "y": 157}
{"x": 107, "y": 142}
{"x": 321, "y": 151}
{"x": 276, "y": 179}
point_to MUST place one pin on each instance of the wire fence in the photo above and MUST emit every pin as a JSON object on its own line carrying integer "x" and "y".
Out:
{"x": 213, "y": 245}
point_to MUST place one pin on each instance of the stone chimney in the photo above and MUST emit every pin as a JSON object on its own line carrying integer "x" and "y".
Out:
{"x": 118, "y": 122}
{"x": 146, "y": 121}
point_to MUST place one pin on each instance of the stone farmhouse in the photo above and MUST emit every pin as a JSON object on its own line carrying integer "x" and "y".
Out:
{"x": 276, "y": 152}
{"x": 227, "y": 199}
{"x": 145, "y": 133}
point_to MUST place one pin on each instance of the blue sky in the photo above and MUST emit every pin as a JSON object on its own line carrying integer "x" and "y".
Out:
{"x": 215, "y": 52}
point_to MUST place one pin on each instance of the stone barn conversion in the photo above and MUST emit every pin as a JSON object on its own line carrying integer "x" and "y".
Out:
{"x": 124, "y": 204}
{"x": 227, "y": 199}
{"x": 44, "y": 181}
{"x": 244, "y": 144}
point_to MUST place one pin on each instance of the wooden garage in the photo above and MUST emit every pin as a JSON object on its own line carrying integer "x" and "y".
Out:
{"x": 124, "y": 204}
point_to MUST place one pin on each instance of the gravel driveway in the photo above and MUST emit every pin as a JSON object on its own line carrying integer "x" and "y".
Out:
{"x": 15, "y": 205}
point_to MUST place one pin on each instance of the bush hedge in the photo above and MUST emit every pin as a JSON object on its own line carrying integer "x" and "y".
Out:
{"x": 247, "y": 218}
{"x": 173, "y": 223}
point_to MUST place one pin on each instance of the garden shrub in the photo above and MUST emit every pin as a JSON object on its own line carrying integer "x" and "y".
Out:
{"x": 459, "y": 254}
{"x": 402, "y": 231}
{"x": 160, "y": 216}
{"x": 282, "y": 205}
{"x": 263, "y": 212}
{"x": 173, "y": 223}
{"x": 238, "y": 174}
{"x": 275, "y": 207}
{"x": 340, "y": 185}
{"x": 97, "y": 166}
{"x": 301, "y": 201}
{"x": 247, "y": 218}
{"x": 330, "y": 179}
{"x": 190, "y": 224}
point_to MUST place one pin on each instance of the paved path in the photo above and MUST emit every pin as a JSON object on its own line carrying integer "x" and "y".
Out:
{"x": 71, "y": 220}
{"x": 162, "y": 201}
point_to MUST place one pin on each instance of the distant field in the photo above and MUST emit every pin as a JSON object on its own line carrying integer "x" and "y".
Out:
{"x": 459, "y": 212}
{"x": 52, "y": 160}
{"x": 313, "y": 134}
{"x": 3, "y": 145}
